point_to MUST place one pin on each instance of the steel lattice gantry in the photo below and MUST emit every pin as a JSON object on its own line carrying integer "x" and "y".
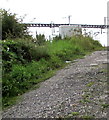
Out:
{"x": 57, "y": 25}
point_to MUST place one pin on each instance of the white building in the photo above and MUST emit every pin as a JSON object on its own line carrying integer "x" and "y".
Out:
{"x": 69, "y": 30}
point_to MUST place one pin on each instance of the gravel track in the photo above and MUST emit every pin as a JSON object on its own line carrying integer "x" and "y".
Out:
{"x": 80, "y": 89}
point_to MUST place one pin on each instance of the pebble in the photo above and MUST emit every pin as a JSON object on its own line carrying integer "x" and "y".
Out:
{"x": 94, "y": 64}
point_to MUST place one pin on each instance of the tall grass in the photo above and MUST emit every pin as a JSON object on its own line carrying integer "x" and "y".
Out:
{"x": 25, "y": 63}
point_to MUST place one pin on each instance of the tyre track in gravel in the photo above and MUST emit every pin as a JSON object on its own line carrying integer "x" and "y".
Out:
{"x": 64, "y": 93}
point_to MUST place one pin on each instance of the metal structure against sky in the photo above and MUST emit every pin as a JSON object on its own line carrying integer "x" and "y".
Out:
{"x": 105, "y": 20}
{"x": 57, "y": 25}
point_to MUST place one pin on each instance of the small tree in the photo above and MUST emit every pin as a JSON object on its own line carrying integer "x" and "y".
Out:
{"x": 40, "y": 39}
{"x": 58, "y": 37}
{"x": 11, "y": 28}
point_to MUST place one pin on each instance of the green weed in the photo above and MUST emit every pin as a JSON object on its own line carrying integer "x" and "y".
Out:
{"x": 87, "y": 117}
{"x": 75, "y": 113}
{"x": 90, "y": 84}
{"x": 105, "y": 105}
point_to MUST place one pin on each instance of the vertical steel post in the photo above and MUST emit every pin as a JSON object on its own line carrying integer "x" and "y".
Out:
{"x": 101, "y": 31}
{"x": 105, "y": 20}
{"x": 69, "y": 19}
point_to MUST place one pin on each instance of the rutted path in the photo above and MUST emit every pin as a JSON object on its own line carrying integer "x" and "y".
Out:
{"x": 80, "y": 89}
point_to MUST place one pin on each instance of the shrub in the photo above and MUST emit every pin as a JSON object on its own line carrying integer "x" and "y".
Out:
{"x": 40, "y": 39}
{"x": 11, "y": 27}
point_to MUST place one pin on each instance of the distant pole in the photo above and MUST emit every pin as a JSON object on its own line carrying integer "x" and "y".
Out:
{"x": 104, "y": 20}
{"x": 52, "y": 26}
{"x": 69, "y": 19}
{"x": 101, "y": 30}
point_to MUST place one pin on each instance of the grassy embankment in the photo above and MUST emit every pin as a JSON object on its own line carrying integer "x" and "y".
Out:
{"x": 25, "y": 64}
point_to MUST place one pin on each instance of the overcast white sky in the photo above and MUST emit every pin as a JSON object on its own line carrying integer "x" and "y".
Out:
{"x": 45, "y": 11}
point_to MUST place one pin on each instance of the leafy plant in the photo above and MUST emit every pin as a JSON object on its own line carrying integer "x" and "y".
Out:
{"x": 87, "y": 117}
{"x": 105, "y": 105}
{"x": 11, "y": 27}
{"x": 40, "y": 39}
{"x": 90, "y": 84}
